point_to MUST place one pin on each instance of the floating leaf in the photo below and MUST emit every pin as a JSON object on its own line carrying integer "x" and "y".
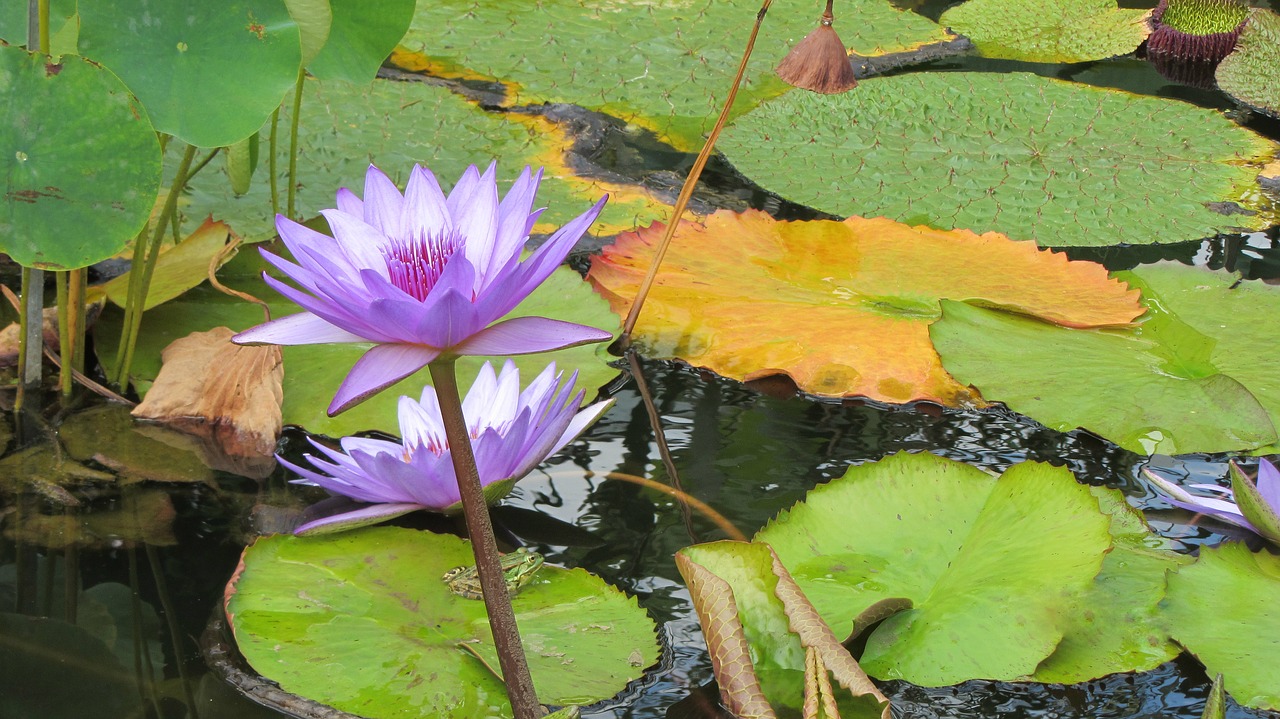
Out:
{"x": 1116, "y": 626}
{"x": 1251, "y": 74}
{"x": 1049, "y": 30}
{"x": 1223, "y": 609}
{"x": 991, "y": 566}
{"x": 344, "y": 127}
{"x": 664, "y": 66}
{"x": 363, "y": 33}
{"x": 842, "y": 308}
{"x": 1034, "y": 158}
{"x": 1196, "y": 375}
{"x": 314, "y": 19}
{"x": 76, "y": 152}
{"x": 108, "y": 435}
{"x": 178, "y": 268}
{"x": 361, "y": 621}
{"x": 313, "y": 372}
{"x": 208, "y": 73}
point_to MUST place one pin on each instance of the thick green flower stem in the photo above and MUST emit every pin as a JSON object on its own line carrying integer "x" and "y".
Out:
{"x": 293, "y": 144}
{"x": 502, "y": 619}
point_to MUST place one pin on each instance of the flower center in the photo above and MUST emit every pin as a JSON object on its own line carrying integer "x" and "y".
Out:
{"x": 415, "y": 265}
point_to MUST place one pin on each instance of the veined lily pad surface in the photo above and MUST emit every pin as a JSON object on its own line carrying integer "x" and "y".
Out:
{"x": 1037, "y": 159}
{"x": 661, "y": 65}
{"x": 361, "y": 621}
{"x": 1223, "y": 609}
{"x": 1196, "y": 375}
{"x": 313, "y": 372}
{"x": 1251, "y": 73}
{"x": 843, "y": 308}
{"x": 991, "y": 566}
{"x": 1049, "y": 30}
{"x": 345, "y": 127}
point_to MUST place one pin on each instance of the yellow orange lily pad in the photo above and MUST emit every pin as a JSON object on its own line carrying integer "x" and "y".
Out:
{"x": 842, "y": 308}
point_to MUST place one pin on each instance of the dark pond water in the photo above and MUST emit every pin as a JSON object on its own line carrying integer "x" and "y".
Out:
{"x": 142, "y": 606}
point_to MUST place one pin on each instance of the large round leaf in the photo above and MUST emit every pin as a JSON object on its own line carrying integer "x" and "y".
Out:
{"x": 313, "y": 372}
{"x": 1049, "y": 30}
{"x": 1251, "y": 73}
{"x": 991, "y": 566}
{"x": 80, "y": 161}
{"x": 842, "y": 308}
{"x": 344, "y": 127}
{"x": 665, "y": 65}
{"x": 1196, "y": 375}
{"x": 361, "y": 621}
{"x": 1223, "y": 609}
{"x": 1034, "y": 158}
{"x": 209, "y": 73}
{"x": 363, "y": 33}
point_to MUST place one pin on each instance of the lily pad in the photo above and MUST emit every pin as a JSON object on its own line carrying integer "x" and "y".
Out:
{"x": 313, "y": 372}
{"x": 1057, "y": 31}
{"x": 363, "y": 33}
{"x": 1223, "y": 609}
{"x": 1251, "y": 73}
{"x": 665, "y": 66}
{"x": 208, "y": 73}
{"x": 841, "y": 308}
{"x": 1192, "y": 377}
{"x": 361, "y": 621}
{"x": 991, "y": 566}
{"x": 76, "y": 151}
{"x": 345, "y": 127}
{"x": 1060, "y": 163}
{"x": 108, "y": 435}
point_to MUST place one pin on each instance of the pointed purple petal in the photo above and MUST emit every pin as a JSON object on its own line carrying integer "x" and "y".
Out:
{"x": 476, "y": 220}
{"x": 425, "y": 210}
{"x": 303, "y": 328}
{"x": 349, "y": 203}
{"x": 513, "y": 217}
{"x": 526, "y": 335}
{"x": 360, "y": 242}
{"x": 377, "y": 369}
{"x": 1269, "y": 483}
{"x": 383, "y": 203}
{"x": 363, "y": 517}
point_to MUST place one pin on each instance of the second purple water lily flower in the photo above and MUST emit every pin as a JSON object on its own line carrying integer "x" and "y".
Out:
{"x": 1255, "y": 507}
{"x": 421, "y": 275}
{"x": 512, "y": 431}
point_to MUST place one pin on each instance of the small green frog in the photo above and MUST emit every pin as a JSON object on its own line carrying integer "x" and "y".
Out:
{"x": 518, "y": 568}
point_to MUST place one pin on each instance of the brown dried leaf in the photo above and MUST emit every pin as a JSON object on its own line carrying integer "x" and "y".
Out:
{"x": 730, "y": 654}
{"x": 217, "y": 390}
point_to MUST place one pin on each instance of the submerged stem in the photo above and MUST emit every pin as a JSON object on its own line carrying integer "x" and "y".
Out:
{"x": 497, "y": 601}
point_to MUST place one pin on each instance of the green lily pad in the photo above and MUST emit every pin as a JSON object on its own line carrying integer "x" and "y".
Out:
{"x": 76, "y": 151}
{"x": 1223, "y": 610}
{"x": 344, "y": 127}
{"x": 1193, "y": 376}
{"x": 208, "y": 73}
{"x": 313, "y": 372}
{"x": 1049, "y": 30}
{"x": 1116, "y": 625}
{"x": 1060, "y": 163}
{"x": 363, "y": 33}
{"x": 663, "y": 66}
{"x": 1251, "y": 73}
{"x": 361, "y": 621}
{"x": 314, "y": 19}
{"x": 991, "y": 566}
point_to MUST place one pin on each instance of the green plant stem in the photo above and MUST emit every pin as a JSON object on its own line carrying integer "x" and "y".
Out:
{"x": 206, "y": 160}
{"x": 79, "y": 288}
{"x": 140, "y": 281}
{"x": 497, "y": 602}
{"x": 271, "y": 162}
{"x": 293, "y": 143}
{"x": 65, "y": 322}
{"x": 31, "y": 326}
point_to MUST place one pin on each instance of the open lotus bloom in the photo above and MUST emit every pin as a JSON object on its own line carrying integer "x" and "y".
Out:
{"x": 511, "y": 433}
{"x": 1255, "y": 507}
{"x": 421, "y": 275}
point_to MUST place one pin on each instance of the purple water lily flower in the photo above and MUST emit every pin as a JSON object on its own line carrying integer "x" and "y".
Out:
{"x": 1255, "y": 507}
{"x": 421, "y": 275}
{"x": 511, "y": 433}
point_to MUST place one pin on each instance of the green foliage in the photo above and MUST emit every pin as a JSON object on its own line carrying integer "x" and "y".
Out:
{"x": 1049, "y": 30}
{"x": 1204, "y": 17}
{"x": 664, "y": 66}
{"x": 1060, "y": 163}
{"x": 361, "y": 621}
{"x": 1251, "y": 74}
{"x": 80, "y": 161}
{"x": 313, "y": 372}
{"x": 1195, "y": 375}
{"x": 362, "y": 34}
{"x": 208, "y": 73}
{"x": 1223, "y": 609}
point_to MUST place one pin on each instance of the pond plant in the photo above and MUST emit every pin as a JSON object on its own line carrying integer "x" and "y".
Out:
{"x": 929, "y": 253}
